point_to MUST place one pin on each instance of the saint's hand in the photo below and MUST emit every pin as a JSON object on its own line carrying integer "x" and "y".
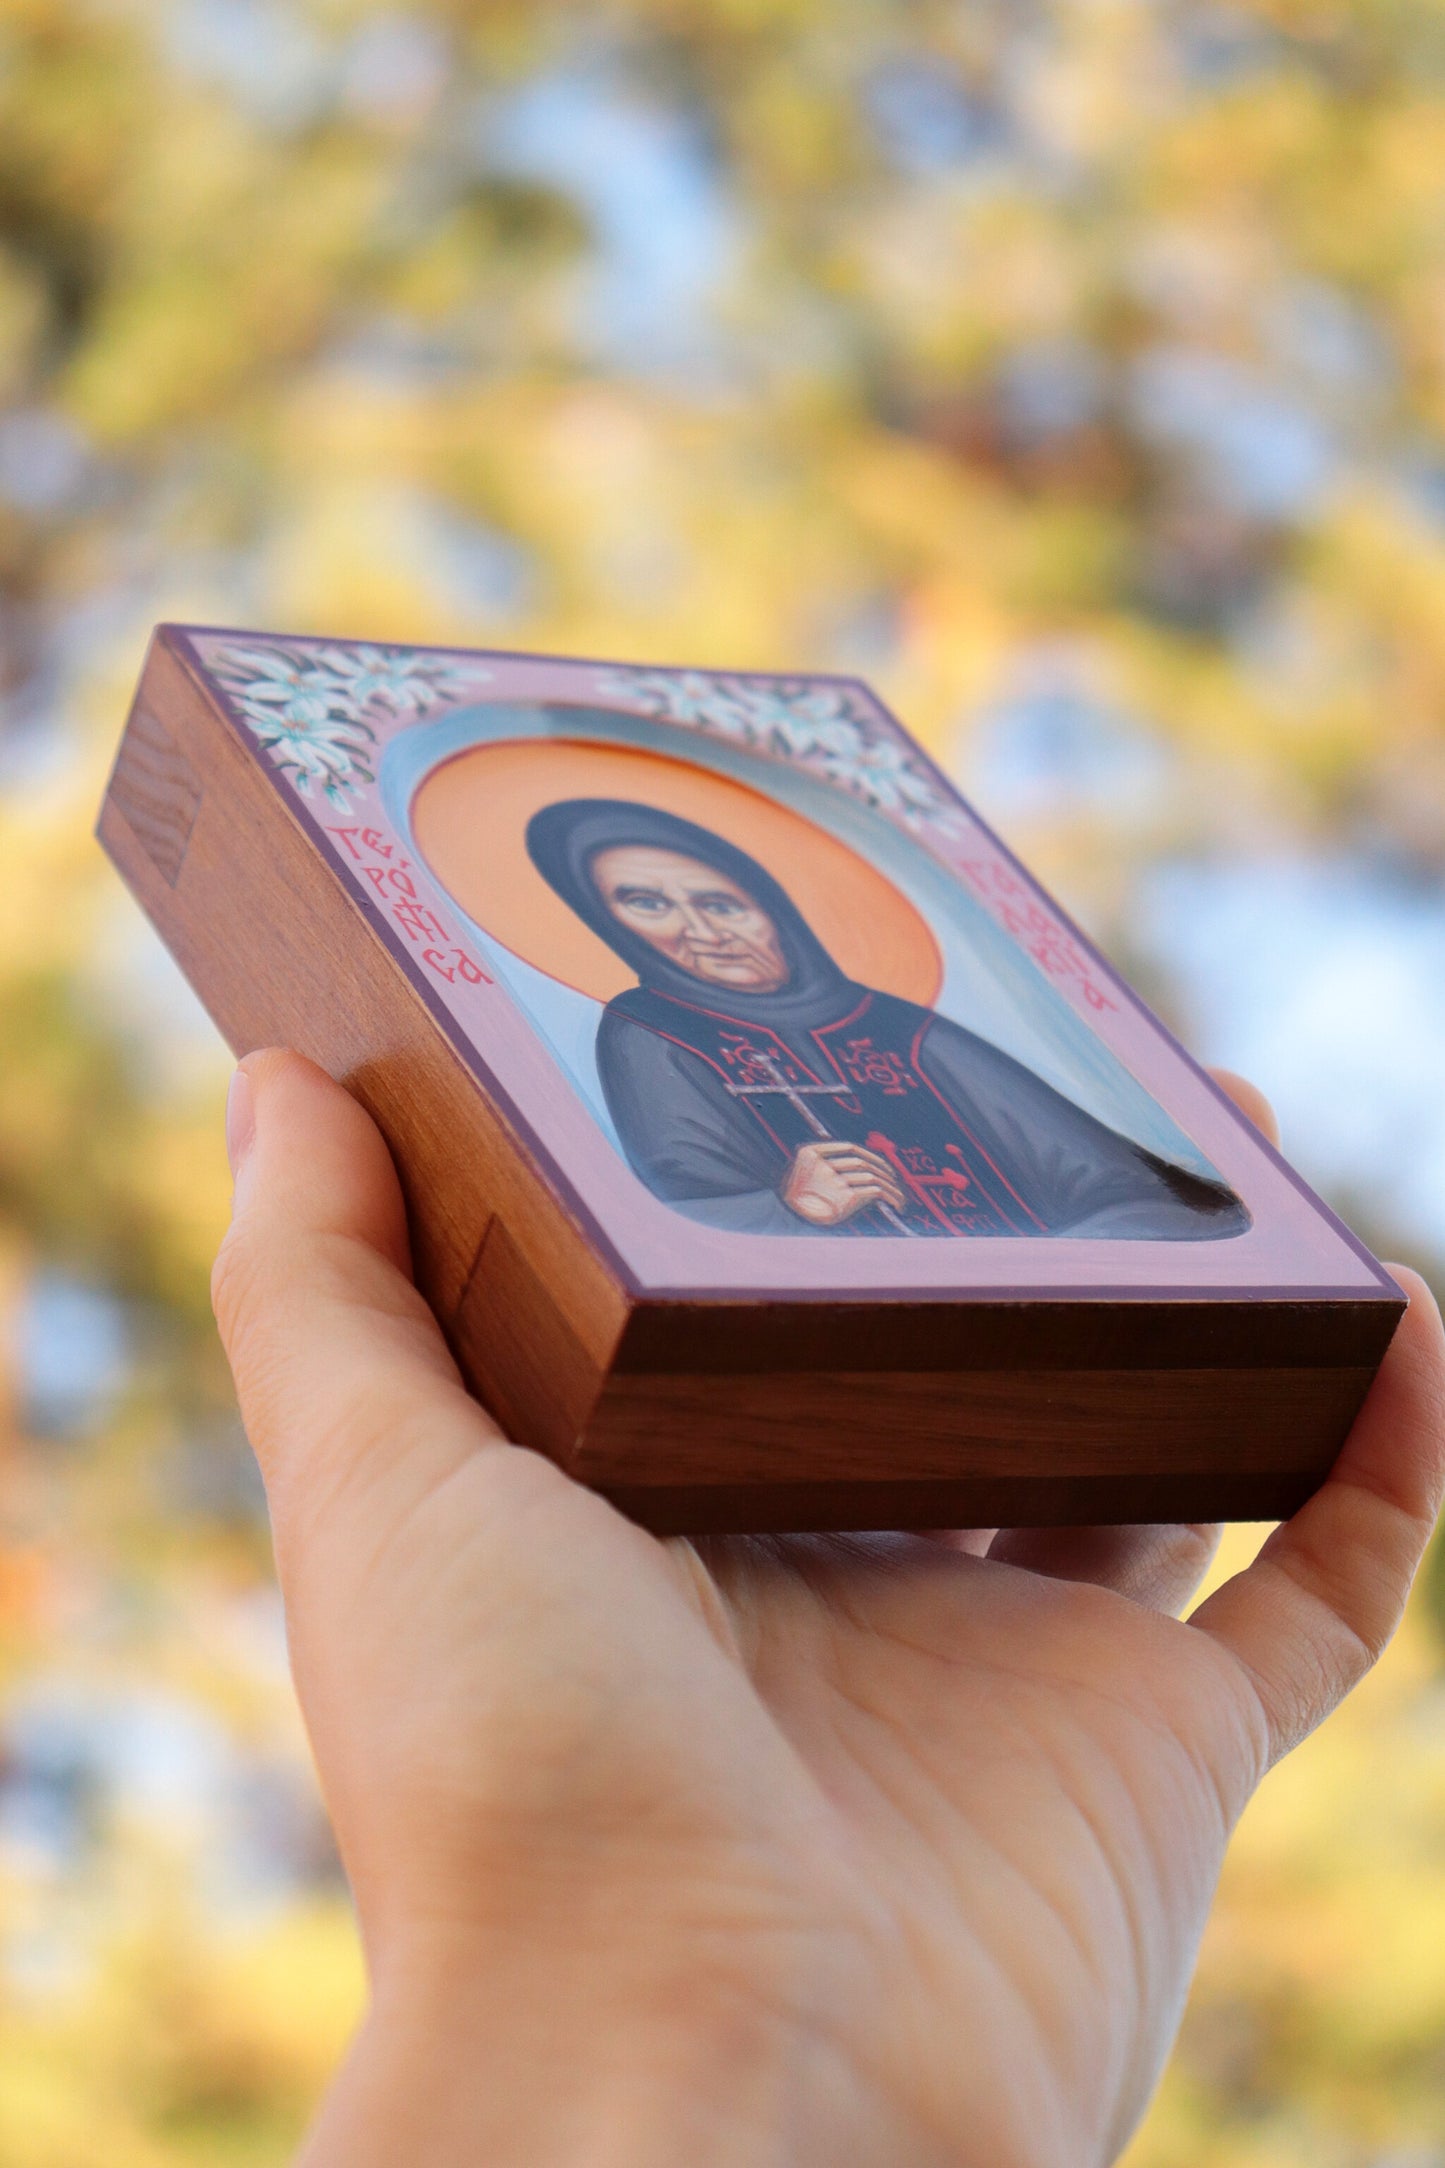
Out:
{"x": 828, "y": 1183}
{"x": 859, "y": 1849}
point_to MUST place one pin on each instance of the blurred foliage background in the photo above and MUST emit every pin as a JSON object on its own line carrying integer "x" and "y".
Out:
{"x": 1075, "y": 369}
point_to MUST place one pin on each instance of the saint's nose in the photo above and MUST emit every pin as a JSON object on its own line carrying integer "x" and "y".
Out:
{"x": 697, "y": 922}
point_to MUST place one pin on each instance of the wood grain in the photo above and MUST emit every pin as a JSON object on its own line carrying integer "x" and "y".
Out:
{"x": 527, "y": 1362}
{"x": 157, "y": 793}
{"x": 852, "y": 1425}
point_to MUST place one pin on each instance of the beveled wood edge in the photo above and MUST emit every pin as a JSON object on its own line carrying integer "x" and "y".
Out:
{"x": 1082, "y": 1332}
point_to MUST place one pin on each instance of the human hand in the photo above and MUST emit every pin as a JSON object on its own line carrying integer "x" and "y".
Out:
{"x": 857, "y": 1850}
{"x": 828, "y": 1183}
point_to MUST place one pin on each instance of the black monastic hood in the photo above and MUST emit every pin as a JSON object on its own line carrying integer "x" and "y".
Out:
{"x": 565, "y": 839}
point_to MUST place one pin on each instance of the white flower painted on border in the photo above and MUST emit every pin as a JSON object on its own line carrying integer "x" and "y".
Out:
{"x": 328, "y": 754}
{"x": 308, "y": 705}
{"x": 821, "y": 725}
{"x": 401, "y": 678}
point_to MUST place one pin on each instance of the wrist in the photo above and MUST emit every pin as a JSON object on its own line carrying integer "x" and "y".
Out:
{"x": 610, "y": 2048}
{"x": 523, "y": 2059}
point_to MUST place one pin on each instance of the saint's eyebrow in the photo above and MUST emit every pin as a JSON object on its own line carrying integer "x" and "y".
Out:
{"x": 637, "y": 892}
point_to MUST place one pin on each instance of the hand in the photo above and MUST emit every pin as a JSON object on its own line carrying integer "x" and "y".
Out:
{"x": 861, "y": 1850}
{"x": 828, "y": 1183}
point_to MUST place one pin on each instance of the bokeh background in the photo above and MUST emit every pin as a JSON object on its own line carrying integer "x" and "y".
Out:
{"x": 1076, "y": 371}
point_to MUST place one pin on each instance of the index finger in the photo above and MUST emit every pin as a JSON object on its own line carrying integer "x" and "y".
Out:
{"x": 877, "y": 1162}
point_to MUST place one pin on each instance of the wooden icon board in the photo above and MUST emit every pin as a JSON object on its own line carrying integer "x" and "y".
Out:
{"x": 777, "y": 1153}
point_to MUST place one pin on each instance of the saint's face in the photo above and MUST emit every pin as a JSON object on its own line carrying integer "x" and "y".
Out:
{"x": 693, "y": 915}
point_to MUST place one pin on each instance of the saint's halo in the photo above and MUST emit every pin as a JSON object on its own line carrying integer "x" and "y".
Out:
{"x": 469, "y": 817}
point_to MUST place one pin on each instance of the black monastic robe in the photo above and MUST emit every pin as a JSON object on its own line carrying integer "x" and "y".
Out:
{"x": 711, "y": 1112}
{"x": 714, "y": 1092}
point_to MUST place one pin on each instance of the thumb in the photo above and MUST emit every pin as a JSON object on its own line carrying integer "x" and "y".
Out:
{"x": 347, "y": 1390}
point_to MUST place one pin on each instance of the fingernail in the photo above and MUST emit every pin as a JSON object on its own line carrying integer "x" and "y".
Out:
{"x": 240, "y": 1120}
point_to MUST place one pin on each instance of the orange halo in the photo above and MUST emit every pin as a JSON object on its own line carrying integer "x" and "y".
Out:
{"x": 470, "y": 815}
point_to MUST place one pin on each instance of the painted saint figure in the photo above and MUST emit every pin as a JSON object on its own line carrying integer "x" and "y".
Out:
{"x": 757, "y": 1088}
